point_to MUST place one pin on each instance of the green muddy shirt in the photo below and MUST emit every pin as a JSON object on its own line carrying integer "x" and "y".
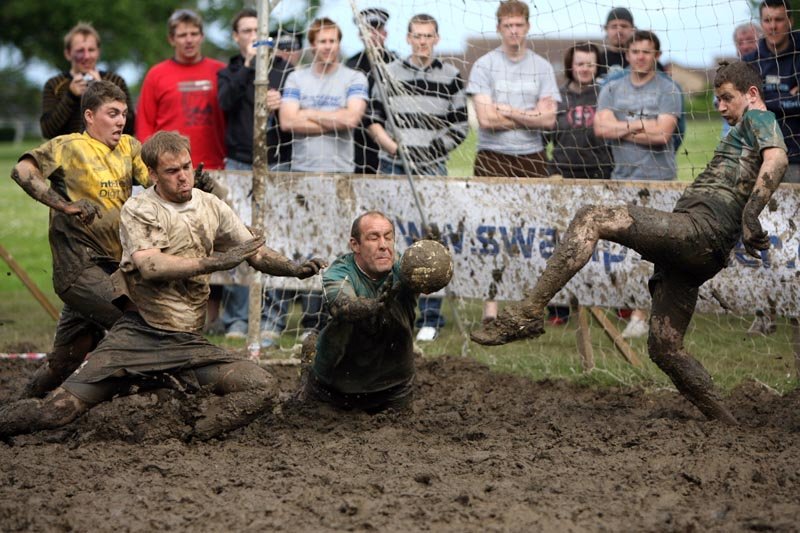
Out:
{"x": 718, "y": 195}
{"x": 370, "y": 355}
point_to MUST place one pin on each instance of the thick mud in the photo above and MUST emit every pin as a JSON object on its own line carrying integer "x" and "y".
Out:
{"x": 477, "y": 451}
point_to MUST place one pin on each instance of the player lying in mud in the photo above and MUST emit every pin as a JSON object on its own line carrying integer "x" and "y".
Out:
{"x": 173, "y": 237}
{"x": 688, "y": 246}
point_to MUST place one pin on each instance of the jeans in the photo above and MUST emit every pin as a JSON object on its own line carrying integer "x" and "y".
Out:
{"x": 235, "y": 298}
{"x": 430, "y": 312}
{"x": 389, "y": 167}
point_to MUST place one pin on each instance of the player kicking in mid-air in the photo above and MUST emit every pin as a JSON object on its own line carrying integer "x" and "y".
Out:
{"x": 688, "y": 246}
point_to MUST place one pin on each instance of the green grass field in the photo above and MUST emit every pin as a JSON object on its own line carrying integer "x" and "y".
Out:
{"x": 718, "y": 341}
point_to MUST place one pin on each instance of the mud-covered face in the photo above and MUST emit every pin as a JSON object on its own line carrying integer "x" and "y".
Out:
{"x": 374, "y": 251}
{"x": 173, "y": 178}
{"x": 106, "y": 122}
{"x": 732, "y": 104}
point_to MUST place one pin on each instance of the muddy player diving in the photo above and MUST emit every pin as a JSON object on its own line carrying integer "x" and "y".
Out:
{"x": 173, "y": 237}
{"x": 688, "y": 246}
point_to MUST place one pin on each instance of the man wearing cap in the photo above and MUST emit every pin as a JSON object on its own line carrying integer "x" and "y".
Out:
{"x": 236, "y": 98}
{"x": 366, "y": 151}
{"x": 288, "y": 44}
{"x": 619, "y": 28}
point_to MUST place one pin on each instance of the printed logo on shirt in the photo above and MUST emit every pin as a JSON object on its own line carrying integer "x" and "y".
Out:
{"x": 196, "y": 104}
{"x": 581, "y": 116}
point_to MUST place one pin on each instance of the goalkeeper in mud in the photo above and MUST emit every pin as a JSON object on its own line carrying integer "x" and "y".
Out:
{"x": 688, "y": 246}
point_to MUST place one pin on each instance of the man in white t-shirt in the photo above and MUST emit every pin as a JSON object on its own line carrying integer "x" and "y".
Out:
{"x": 515, "y": 95}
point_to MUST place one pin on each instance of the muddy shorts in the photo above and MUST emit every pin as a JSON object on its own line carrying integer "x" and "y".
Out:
{"x": 395, "y": 397}
{"x": 134, "y": 352}
{"x": 87, "y": 306}
{"x": 675, "y": 243}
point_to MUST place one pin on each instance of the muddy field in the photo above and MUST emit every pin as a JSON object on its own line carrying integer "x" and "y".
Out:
{"x": 478, "y": 451}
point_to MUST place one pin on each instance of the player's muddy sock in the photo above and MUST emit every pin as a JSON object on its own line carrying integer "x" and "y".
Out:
{"x": 511, "y": 324}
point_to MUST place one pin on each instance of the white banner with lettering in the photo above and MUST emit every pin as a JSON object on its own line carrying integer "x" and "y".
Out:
{"x": 502, "y": 230}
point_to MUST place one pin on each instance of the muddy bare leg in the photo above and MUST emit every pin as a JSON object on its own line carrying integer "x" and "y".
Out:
{"x": 246, "y": 392}
{"x": 29, "y": 415}
{"x": 673, "y": 306}
{"x": 525, "y": 319}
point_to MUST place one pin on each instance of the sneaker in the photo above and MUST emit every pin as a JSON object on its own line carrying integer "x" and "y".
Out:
{"x": 508, "y": 327}
{"x": 427, "y": 334}
{"x": 237, "y": 330}
{"x": 306, "y": 333}
{"x": 269, "y": 339}
{"x": 636, "y": 328}
{"x": 762, "y": 325}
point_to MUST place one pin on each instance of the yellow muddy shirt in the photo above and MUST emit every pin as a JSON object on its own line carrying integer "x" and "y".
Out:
{"x": 193, "y": 229}
{"x": 81, "y": 167}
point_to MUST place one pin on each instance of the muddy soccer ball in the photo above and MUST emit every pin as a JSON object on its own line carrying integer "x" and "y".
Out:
{"x": 426, "y": 266}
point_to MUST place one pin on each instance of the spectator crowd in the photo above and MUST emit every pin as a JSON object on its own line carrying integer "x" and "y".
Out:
{"x": 618, "y": 115}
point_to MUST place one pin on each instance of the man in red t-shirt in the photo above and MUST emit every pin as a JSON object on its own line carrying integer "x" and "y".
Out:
{"x": 180, "y": 93}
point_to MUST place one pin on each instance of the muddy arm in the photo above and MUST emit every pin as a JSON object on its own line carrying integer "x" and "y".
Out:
{"x": 770, "y": 175}
{"x": 153, "y": 264}
{"x": 270, "y": 262}
{"x": 27, "y": 175}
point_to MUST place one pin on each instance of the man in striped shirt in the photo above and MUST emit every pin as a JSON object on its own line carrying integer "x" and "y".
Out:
{"x": 426, "y": 101}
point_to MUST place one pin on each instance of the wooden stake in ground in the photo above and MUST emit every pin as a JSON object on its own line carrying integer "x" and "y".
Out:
{"x": 584, "y": 338}
{"x": 614, "y": 334}
{"x": 28, "y": 282}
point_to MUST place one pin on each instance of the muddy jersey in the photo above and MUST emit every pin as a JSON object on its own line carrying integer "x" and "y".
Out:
{"x": 718, "y": 195}
{"x": 371, "y": 355}
{"x": 80, "y": 167}
{"x": 197, "y": 228}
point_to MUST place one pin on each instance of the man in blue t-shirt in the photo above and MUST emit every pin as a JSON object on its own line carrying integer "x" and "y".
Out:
{"x": 688, "y": 246}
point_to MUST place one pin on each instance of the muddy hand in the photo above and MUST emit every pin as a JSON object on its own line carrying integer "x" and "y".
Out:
{"x": 388, "y": 290}
{"x": 310, "y": 268}
{"x": 238, "y": 253}
{"x": 754, "y": 238}
{"x": 85, "y": 210}
{"x": 203, "y": 180}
